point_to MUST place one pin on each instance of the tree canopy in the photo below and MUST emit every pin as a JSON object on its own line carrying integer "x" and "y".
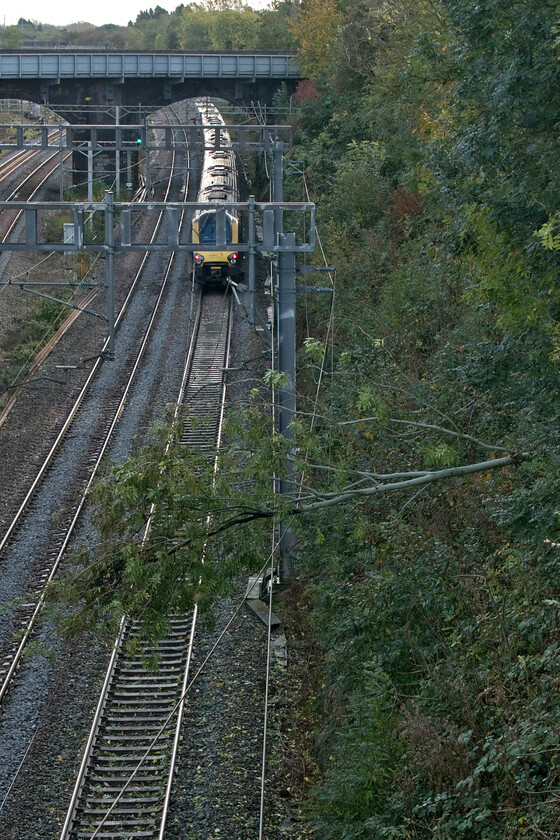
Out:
{"x": 206, "y": 25}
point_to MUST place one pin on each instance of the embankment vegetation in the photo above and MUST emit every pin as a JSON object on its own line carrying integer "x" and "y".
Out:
{"x": 430, "y": 146}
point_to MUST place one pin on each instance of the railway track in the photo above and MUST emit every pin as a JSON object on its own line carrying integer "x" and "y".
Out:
{"x": 124, "y": 783}
{"x": 26, "y": 190}
{"x": 84, "y": 302}
{"x": 30, "y": 186}
{"x": 17, "y": 160}
{"x": 19, "y": 510}
{"x": 135, "y": 719}
{"x": 25, "y": 615}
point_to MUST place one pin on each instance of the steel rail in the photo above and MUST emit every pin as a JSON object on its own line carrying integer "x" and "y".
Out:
{"x": 87, "y": 757}
{"x": 93, "y": 765}
{"x": 69, "y": 531}
{"x": 180, "y": 713}
{"x": 46, "y": 350}
{"x": 18, "y": 159}
{"x": 66, "y": 324}
{"x": 41, "y": 473}
{"x": 18, "y": 213}
{"x": 202, "y": 354}
{"x": 27, "y": 178}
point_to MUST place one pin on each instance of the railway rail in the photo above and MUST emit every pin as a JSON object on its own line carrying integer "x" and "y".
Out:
{"x": 134, "y": 718}
{"x": 26, "y": 190}
{"x": 26, "y": 614}
{"x": 45, "y": 352}
{"x": 123, "y": 787}
{"x": 83, "y": 303}
{"x": 87, "y": 300}
{"x": 17, "y": 160}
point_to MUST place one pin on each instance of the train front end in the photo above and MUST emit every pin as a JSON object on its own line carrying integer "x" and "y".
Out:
{"x": 215, "y": 266}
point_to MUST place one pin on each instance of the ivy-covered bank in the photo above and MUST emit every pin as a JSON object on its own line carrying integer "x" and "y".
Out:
{"x": 430, "y": 144}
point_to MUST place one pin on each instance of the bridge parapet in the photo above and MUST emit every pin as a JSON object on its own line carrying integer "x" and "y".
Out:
{"x": 127, "y": 78}
{"x": 142, "y": 65}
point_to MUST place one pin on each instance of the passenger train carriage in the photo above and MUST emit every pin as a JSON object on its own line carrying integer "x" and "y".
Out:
{"x": 218, "y": 185}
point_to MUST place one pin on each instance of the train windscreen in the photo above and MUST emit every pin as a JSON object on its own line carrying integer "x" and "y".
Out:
{"x": 207, "y": 229}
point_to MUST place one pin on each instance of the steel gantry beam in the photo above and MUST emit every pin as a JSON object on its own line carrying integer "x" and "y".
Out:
{"x": 107, "y": 138}
{"x": 125, "y": 237}
{"x": 125, "y": 240}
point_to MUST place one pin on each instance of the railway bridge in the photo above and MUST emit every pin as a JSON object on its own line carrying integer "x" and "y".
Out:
{"x": 128, "y": 78}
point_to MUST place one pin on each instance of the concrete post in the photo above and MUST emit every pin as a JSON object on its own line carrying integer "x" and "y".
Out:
{"x": 128, "y": 169}
{"x": 117, "y": 159}
{"x": 89, "y": 172}
{"x": 278, "y": 182}
{"x": 146, "y": 139}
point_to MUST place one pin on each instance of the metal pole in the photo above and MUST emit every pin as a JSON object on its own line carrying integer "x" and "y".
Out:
{"x": 60, "y": 162}
{"x": 117, "y": 159}
{"x": 286, "y": 326}
{"x": 89, "y": 172}
{"x": 109, "y": 271}
{"x": 251, "y": 267}
{"x": 147, "y": 158}
{"x": 286, "y": 321}
{"x": 278, "y": 182}
{"x": 287, "y": 332}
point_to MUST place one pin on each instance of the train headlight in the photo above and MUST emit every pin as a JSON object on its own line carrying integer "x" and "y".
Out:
{"x": 198, "y": 259}
{"x": 232, "y": 259}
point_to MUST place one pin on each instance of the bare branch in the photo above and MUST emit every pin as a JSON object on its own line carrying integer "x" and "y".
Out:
{"x": 390, "y": 487}
{"x": 370, "y": 476}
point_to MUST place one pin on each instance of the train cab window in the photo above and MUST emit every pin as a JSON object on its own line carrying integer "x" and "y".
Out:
{"x": 207, "y": 229}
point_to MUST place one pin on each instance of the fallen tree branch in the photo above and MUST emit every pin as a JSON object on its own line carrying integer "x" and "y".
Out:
{"x": 392, "y": 486}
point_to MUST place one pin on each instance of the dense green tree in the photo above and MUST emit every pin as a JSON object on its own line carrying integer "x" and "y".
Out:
{"x": 234, "y": 30}
{"x": 10, "y": 38}
{"x": 214, "y": 24}
{"x": 172, "y": 33}
{"x": 502, "y": 150}
{"x": 437, "y": 616}
{"x": 195, "y": 33}
{"x": 276, "y": 25}
{"x": 315, "y": 30}
{"x": 151, "y": 14}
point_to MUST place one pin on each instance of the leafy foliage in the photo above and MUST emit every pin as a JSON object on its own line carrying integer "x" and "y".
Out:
{"x": 156, "y": 515}
{"x": 437, "y": 614}
{"x": 315, "y": 31}
{"x": 208, "y": 25}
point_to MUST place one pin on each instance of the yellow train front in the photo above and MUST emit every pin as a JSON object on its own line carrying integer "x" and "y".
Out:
{"x": 218, "y": 185}
{"x": 215, "y": 266}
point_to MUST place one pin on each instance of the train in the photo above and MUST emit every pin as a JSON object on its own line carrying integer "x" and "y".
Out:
{"x": 218, "y": 185}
